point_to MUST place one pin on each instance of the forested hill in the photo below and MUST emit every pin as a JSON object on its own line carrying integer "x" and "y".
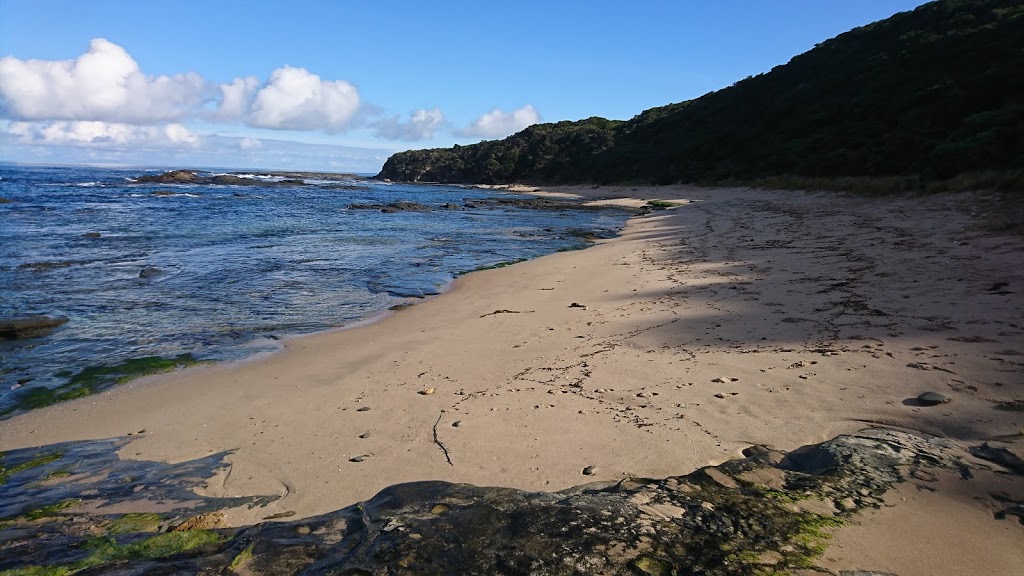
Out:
{"x": 929, "y": 94}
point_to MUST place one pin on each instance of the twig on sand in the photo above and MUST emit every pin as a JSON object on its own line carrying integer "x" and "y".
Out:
{"x": 438, "y": 441}
{"x": 505, "y": 312}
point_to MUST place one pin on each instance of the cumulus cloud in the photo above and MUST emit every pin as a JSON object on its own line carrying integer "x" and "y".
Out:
{"x": 236, "y": 98}
{"x": 295, "y": 99}
{"x": 421, "y": 126}
{"x": 94, "y": 132}
{"x": 104, "y": 84}
{"x": 249, "y": 144}
{"x": 107, "y": 85}
{"x": 498, "y": 123}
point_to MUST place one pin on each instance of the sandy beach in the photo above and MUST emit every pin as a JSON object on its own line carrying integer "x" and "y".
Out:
{"x": 738, "y": 317}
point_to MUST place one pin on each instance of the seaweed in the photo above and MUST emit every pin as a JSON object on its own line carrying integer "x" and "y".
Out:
{"x": 95, "y": 378}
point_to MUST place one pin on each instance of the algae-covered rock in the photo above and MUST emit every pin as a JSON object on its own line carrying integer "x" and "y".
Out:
{"x": 757, "y": 515}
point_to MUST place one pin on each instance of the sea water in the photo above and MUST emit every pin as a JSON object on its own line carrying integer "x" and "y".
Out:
{"x": 237, "y": 267}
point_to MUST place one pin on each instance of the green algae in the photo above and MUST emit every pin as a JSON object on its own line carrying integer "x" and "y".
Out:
{"x": 812, "y": 538}
{"x": 95, "y": 378}
{"x": 41, "y": 460}
{"x": 157, "y": 546}
{"x": 653, "y": 566}
{"x": 51, "y": 510}
{"x": 492, "y": 266}
{"x": 240, "y": 560}
{"x": 106, "y": 550}
{"x": 662, "y": 204}
{"x": 131, "y": 523}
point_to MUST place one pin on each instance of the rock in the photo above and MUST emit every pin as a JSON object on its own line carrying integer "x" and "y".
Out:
{"x": 392, "y": 207}
{"x": 589, "y": 470}
{"x": 1000, "y": 456}
{"x": 457, "y": 423}
{"x": 847, "y": 503}
{"x": 203, "y": 522}
{"x": 724, "y": 380}
{"x": 150, "y": 271}
{"x": 577, "y": 305}
{"x": 363, "y": 409}
{"x": 6, "y": 201}
{"x": 677, "y": 525}
{"x": 29, "y": 327}
{"x": 719, "y": 395}
{"x": 163, "y": 193}
{"x": 933, "y": 399}
{"x": 364, "y": 435}
{"x": 427, "y": 391}
{"x": 755, "y": 450}
{"x": 91, "y": 235}
{"x": 362, "y": 458}
{"x": 172, "y": 177}
{"x": 190, "y": 177}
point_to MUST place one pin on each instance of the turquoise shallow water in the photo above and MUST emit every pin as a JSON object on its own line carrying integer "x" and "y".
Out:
{"x": 240, "y": 266}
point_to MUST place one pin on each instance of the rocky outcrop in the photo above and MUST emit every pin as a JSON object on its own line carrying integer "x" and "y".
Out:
{"x": 190, "y": 177}
{"x": 171, "y": 177}
{"x": 767, "y": 513}
{"x": 29, "y": 327}
{"x": 392, "y": 207}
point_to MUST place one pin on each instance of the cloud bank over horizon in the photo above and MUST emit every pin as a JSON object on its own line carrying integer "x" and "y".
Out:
{"x": 208, "y": 151}
{"x": 103, "y": 99}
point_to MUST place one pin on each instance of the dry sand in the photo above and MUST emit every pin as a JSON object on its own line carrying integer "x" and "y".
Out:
{"x": 739, "y": 317}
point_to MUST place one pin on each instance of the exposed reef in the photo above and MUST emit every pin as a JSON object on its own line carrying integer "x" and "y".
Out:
{"x": 270, "y": 179}
{"x": 768, "y": 513}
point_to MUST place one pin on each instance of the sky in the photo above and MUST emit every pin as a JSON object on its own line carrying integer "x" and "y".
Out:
{"x": 341, "y": 85}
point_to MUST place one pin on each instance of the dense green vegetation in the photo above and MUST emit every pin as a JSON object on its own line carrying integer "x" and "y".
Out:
{"x": 924, "y": 96}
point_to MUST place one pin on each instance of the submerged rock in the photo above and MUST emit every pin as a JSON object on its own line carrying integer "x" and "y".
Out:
{"x": 392, "y": 207}
{"x": 29, "y": 327}
{"x": 150, "y": 271}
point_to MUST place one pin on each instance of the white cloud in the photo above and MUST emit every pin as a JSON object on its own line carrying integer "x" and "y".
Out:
{"x": 110, "y": 134}
{"x": 104, "y": 84}
{"x": 249, "y": 144}
{"x": 421, "y": 126}
{"x": 236, "y": 98}
{"x": 498, "y": 123}
{"x": 295, "y": 99}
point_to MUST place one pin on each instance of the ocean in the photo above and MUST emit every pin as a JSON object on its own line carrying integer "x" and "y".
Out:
{"x": 222, "y": 272}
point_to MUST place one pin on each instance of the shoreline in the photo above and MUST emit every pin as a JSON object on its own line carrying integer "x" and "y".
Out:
{"x": 744, "y": 317}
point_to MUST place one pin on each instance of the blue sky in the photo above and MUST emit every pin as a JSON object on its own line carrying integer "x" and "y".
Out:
{"x": 340, "y": 85}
